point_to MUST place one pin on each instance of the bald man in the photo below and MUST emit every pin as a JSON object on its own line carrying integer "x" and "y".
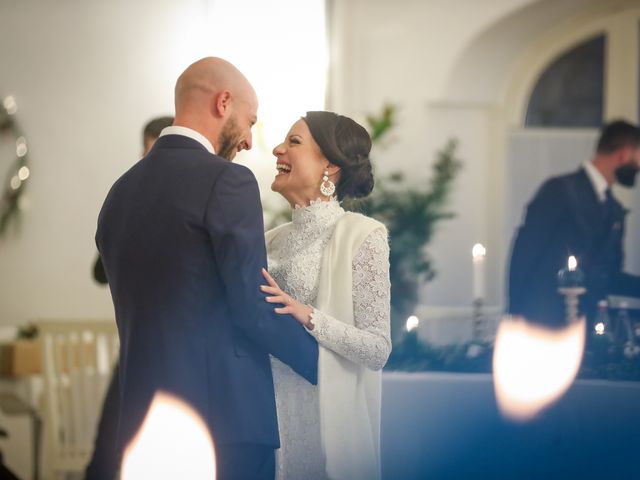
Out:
{"x": 182, "y": 241}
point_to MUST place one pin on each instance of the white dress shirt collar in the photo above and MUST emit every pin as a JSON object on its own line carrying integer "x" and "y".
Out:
{"x": 188, "y": 132}
{"x": 599, "y": 183}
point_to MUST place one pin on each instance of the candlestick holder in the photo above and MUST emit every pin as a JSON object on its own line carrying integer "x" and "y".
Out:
{"x": 478, "y": 325}
{"x": 478, "y": 330}
{"x": 571, "y": 286}
{"x": 623, "y": 322}
{"x": 571, "y": 295}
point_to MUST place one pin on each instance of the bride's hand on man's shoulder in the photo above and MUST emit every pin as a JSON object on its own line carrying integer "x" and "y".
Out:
{"x": 300, "y": 311}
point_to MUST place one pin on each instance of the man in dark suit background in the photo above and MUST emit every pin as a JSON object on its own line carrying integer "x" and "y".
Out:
{"x": 182, "y": 240}
{"x": 576, "y": 214}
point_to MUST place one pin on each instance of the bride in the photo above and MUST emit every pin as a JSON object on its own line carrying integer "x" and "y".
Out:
{"x": 330, "y": 270}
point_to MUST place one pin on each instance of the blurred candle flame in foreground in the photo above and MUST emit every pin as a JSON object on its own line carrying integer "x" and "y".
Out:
{"x": 533, "y": 366}
{"x": 572, "y": 263}
{"x": 173, "y": 442}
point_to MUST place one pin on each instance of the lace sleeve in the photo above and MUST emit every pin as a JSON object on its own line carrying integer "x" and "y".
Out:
{"x": 368, "y": 342}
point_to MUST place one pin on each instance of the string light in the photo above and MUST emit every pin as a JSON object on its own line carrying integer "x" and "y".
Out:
{"x": 24, "y": 173}
{"x": 10, "y": 105}
{"x": 15, "y": 182}
{"x": 21, "y": 147}
{"x": 12, "y": 200}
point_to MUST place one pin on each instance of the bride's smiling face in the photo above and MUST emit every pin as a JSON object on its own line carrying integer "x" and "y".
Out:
{"x": 300, "y": 164}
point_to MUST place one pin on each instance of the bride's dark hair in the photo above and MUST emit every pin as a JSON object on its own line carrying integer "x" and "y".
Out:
{"x": 346, "y": 144}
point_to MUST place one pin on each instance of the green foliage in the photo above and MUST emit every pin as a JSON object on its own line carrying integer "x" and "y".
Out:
{"x": 602, "y": 359}
{"x": 28, "y": 331}
{"x": 606, "y": 359}
{"x": 379, "y": 126}
{"x": 410, "y": 355}
{"x": 411, "y": 213}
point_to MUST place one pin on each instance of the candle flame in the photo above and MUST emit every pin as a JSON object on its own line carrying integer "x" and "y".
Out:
{"x": 478, "y": 251}
{"x": 173, "y": 442}
{"x": 599, "y": 328}
{"x": 572, "y": 263}
{"x": 412, "y": 323}
{"x": 533, "y": 366}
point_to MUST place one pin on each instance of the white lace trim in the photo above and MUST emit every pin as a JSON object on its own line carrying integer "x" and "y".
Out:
{"x": 294, "y": 259}
{"x": 317, "y": 201}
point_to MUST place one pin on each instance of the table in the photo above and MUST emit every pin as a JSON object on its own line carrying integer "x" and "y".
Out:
{"x": 446, "y": 425}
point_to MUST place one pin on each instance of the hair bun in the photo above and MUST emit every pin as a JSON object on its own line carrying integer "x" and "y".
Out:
{"x": 346, "y": 144}
{"x": 361, "y": 176}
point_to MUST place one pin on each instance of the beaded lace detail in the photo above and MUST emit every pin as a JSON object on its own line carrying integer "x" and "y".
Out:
{"x": 294, "y": 262}
{"x": 294, "y": 259}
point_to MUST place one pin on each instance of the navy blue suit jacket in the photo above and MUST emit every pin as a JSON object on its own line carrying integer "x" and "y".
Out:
{"x": 181, "y": 237}
{"x": 566, "y": 218}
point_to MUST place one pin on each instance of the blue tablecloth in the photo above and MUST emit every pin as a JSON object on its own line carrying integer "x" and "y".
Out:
{"x": 445, "y": 425}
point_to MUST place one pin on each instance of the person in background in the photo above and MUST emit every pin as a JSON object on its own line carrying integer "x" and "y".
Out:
{"x": 152, "y": 131}
{"x": 104, "y": 462}
{"x": 577, "y": 214}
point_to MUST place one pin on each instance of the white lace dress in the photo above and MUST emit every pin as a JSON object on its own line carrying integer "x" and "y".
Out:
{"x": 294, "y": 262}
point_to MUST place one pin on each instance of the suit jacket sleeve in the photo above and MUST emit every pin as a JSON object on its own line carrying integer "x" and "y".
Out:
{"x": 626, "y": 285}
{"x": 99, "y": 275}
{"x": 531, "y": 240}
{"x": 623, "y": 283}
{"x": 235, "y": 225}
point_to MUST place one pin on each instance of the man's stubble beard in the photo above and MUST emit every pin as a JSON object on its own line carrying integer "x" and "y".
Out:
{"x": 229, "y": 139}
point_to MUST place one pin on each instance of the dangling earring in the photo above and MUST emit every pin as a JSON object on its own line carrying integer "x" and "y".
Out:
{"x": 327, "y": 187}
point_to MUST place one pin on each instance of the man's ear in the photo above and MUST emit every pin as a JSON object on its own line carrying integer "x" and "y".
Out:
{"x": 222, "y": 103}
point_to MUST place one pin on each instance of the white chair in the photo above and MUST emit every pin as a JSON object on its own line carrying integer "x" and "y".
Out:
{"x": 77, "y": 363}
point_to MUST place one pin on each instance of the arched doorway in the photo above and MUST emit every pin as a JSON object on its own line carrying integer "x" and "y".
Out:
{"x": 514, "y": 65}
{"x": 568, "y": 83}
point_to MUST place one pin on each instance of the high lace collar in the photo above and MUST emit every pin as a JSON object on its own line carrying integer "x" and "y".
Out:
{"x": 318, "y": 215}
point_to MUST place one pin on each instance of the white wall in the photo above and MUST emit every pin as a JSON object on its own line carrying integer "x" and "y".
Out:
{"x": 404, "y": 53}
{"x": 452, "y": 66}
{"x": 87, "y": 75}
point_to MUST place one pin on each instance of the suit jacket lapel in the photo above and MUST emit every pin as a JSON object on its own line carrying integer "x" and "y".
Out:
{"x": 617, "y": 221}
{"x": 585, "y": 205}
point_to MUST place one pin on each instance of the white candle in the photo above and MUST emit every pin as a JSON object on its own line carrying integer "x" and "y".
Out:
{"x": 478, "y": 253}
